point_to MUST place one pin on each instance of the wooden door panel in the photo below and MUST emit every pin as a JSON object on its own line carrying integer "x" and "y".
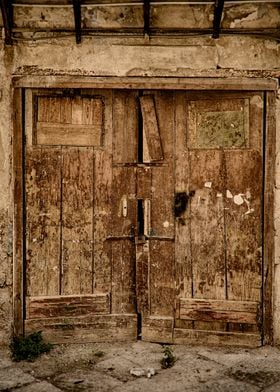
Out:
{"x": 243, "y": 225}
{"x": 123, "y": 276}
{"x": 102, "y": 213}
{"x": 207, "y": 224}
{"x": 43, "y": 229}
{"x": 123, "y": 202}
{"x": 77, "y": 221}
{"x": 80, "y": 282}
{"x": 219, "y": 236}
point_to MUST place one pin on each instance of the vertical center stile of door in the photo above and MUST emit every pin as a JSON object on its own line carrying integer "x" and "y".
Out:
{"x": 224, "y": 180}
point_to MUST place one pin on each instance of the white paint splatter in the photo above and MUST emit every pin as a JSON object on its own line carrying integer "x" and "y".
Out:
{"x": 219, "y": 194}
{"x": 248, "y": 194}
{"x": 250, "y": 210}
{"x": 166, "y": 224}
{"x": 229, "y": 194}
{"x": 238, "y": 199}
{"x": 208, "y": 184}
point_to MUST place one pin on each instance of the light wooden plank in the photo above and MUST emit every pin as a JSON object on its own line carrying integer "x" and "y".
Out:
{"x": 207, "y": 224}
{"x": 43, "y": 207}
{"x": 157, "y": 329}
{"x": 225, "y": 311}
{"x": 123, "y": 220}
{"x": 123, "y": 276}
{"x": 125, "y": 126}
{"x": 102, "y": 199}
{"x": 144, "y": 182}
{"x": 77, "y": 110}
{"x": 77, "y": 224}
{"x": 244, "y": 225}
{"x": 69, "y": 134}
{"x": 65, "y": 306}
{"x": 65, "y": 111}
{"x": 268, "y": 246}
{"x": 43, "y": 109}
{"x": 151, "y": 128}
{"x": 215, "y": 338}
{"x": 157, "y": 83}
{"x": 18, "y": 215}
{"x": 162, "y": 278}
{"x": 102, "y": 213}
{"x": 142, "y": 276}
{"x": 53, "y": 108}
{"x": 162, "y": 202}
{"x": 183, "y": 260}
{"x": 217, "y": 305}
{"x": 86, "y": 329}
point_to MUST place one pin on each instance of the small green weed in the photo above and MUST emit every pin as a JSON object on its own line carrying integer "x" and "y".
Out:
{"x": 29, "y": 347}
{"x": 168, "y": 359}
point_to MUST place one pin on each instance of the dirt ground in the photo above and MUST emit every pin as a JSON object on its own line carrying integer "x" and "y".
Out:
{"x": 108, "y": 367}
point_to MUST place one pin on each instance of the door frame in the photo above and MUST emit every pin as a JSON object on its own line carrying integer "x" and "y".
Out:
{"x": 267, "y": 86}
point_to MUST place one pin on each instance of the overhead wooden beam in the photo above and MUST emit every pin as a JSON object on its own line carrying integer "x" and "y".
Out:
{"x": 77, "y": 19}
{"x": 146, "y": 17}
{"x": 218, "y": 11}
{"x": 7, "y": 16}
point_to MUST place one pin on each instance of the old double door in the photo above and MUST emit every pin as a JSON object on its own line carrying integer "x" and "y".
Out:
{"x": 144, "y": 216}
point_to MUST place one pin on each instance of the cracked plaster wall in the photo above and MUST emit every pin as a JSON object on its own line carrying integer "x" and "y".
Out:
{"x": 197, "y": 56}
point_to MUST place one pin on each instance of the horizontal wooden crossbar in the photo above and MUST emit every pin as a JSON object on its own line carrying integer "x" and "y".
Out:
{"x": 215, "y": 310}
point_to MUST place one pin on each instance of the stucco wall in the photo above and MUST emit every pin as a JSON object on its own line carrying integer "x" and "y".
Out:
{"x": 162, "y": 56}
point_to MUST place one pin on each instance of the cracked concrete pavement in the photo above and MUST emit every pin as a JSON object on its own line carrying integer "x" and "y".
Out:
{"x": 104, "y": 367}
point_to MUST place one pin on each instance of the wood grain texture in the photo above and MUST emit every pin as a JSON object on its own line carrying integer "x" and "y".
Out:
{"x": 69, "y": 121}
{"x": 216, "y": 338}
{"x": 243, "y": 225}
{"x": 157, "y": 83}
{"x": 162, "y": 201}
{"x": 183, "y": 260}
{"x": 268, "y": 235}
{"x": 213, "y": 310}
{"x": 157, "y": 329}
{"x": 43, "y": 229}
{"x": 85, "y": 329}
{"x": 151, "y": 129}
{"x": 65, "y": 306}
{"x": 123, "y": 220}
{"x": 142, "y": 276}
{"x": 18, "y": 255}
{"x": 162, "y": 278}
{"x": 144, "y": 182}
{"x": 207, "y": 224}
{"x": 77, "y": 224}
{"x": 125, "y": 126}
{"x": 123, "y": 276}
{"x": 102, "y": 211}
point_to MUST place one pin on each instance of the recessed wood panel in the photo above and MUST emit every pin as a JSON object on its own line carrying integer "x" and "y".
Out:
{"x": 219, "y": 123}
{"x": 69, "y": 121}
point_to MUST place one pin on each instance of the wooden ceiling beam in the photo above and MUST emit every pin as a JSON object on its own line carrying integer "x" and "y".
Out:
{"x": 7, "y": 16}
{"x": 77, "y": 20}
{"x": 146, "y": 17}
{"x": 218, "y": 11}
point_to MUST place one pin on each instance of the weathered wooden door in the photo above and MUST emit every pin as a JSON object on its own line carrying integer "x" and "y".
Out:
{"x": 218, "y": 249}
{"x": 144, "y": 216}
{"x": 80, "y": 283}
